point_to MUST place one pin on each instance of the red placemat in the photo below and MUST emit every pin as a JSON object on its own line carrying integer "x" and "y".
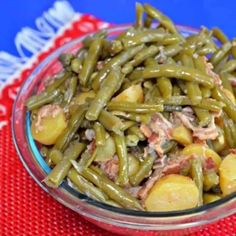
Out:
{"x": 25, "y": 209}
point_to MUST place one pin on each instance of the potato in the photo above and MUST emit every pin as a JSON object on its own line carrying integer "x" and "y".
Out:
{"x": 208, "y": 198}
{"x": 228, "y": 174}
{"x": 182, "y": 135}
{"x": 107, "y": 151}
{"x": 219, "y": 144}
{"x": 132, "y": 94}
{"x": 50, "y": 128}
{"x": 134, "y": 165}
{"x": 201, "y": 150}
{"x": 172, "y": 193}
{"x": 210, "y": 180}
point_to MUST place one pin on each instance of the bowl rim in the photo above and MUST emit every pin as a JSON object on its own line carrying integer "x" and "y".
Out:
{"x": 189, "y": 212}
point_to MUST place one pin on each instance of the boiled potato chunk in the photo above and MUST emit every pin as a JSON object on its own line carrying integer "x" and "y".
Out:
{"x": 49, "y": 129}
{"x": 208, "y": 198}
{"x": 228, "y": 174}
{"x": 132, "y": 94}
{"x": 107, "y": 151}
{"x": 182, "y": 135}
{"x": 172, "y": 193}
{"x": 203, "y": 151}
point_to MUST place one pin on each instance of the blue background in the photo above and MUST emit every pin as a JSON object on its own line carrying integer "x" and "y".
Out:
{"x": 19, "y": 13}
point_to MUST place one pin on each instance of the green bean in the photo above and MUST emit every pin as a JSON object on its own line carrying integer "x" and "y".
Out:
{"x": 86, "y": 187}
{"x": 140, "y": 57}
{"x": 112, "y": 203}
{"x": 123, "y": 159}
{"x": 100, "y": 134}
{"x": 128, "y": 124}
{"x": 220, "y": 53}
{"x": 105, "y": 93}
{"x": 228, "y": 132}
{"x": 148, "y": 21}
{"x": 115, "y": 47}
{"x": 197, "y": 174}
{"x": 71, "y": 90}
{"x": 176, "y": 91}
{"x": 55, "y": 156}
{"x": 207, "y": 49}
{"x": 76, "y": 65}
{"x": 229, "y": 66}
{"x": 150, "y": 62}
{"x": 133, "y": 116}
{"x": 59, "y": 172}
{"x": 143, "y": 171}
{"x": 219, "y": 34}
{"x": 86, "y": 159}
{"x": 164, "y": 20}
{"x": 233, "y": 130}
{"x": 115, "y": 192}
{"x": 172, "y": 50}
{"x": 136, "y": 131}
{"x": 207, "y": 103}
{"x": 66, "y": 58}
{"x": 233, "y": 49}
{"x": 118, "y": 60}
{"x": 74, "y": 123}
{"x": 43, "y": 98}
{"x": 203, "y": 116}
{"x": 226, "y": 82}
{"x": 173, "y": 71}
{"x": 57, "y": 82}
{"x": 229, "y": 107}
{"x": 139, "y": 15}
{"x": 101, "y": 34}
{"x": 90, "y": 61}
{"x": 140, "y": 108}
{"x": 111, "y": 122}
{"x": 150, "y": 36}
{"x": 165, "y": 87}
{"x": 131, "y": 140}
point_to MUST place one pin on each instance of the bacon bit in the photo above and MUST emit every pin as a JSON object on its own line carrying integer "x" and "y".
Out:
{"x": 111, "y": 168}
{"x": 232, "y": 150}
{"x": 210, "y": 72}
{"x": 91, "y": 147}
{"x": 133, "y": 191}
{"x": 158, "y": 131}
{"x": 209, "y": 164}
{"x": 233, "y": 81}
{"x": 100, "y": 65}
{"x": 173, "y": 166}
{"x": 51, "y": 110}
{"x": 201, "y": 133}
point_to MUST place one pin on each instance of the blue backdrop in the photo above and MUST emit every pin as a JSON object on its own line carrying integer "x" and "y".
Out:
{"x": 19, "y": 13}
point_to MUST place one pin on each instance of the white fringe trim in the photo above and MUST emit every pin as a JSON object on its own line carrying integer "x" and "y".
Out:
{"x": 31, "y": 41}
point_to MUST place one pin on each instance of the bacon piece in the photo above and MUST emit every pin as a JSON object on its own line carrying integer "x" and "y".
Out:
{"x": 201, "y": 133}
{"x": 173, "y": 166}
{"x": 111, "y": 168}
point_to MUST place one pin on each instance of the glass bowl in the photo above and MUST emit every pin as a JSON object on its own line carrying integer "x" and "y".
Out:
{"x": 116, "y": 220}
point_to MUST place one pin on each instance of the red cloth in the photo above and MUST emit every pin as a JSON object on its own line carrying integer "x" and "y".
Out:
{"x": 25, "y": 209}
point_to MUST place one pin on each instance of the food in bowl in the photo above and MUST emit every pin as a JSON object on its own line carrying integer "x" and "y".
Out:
{"x": 144, "y": 121}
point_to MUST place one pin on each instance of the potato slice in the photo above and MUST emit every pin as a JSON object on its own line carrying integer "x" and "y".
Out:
{"x": 228, "y": 174}
{"x": 107, "y": 151}
{"x": 208, "y": 198}
{"x": 132, "y": 94}
{"x": 172, "y": 193}
{"x": 182, "y": 135}
{"x": 201, "y": 150}
{"x": 49, "y": 128}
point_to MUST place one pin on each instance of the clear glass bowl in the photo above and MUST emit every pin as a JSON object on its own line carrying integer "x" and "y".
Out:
{"x": 116, "y": 220}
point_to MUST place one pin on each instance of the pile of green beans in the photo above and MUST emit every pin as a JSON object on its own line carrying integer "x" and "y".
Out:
{"x": 109, "y": 89}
